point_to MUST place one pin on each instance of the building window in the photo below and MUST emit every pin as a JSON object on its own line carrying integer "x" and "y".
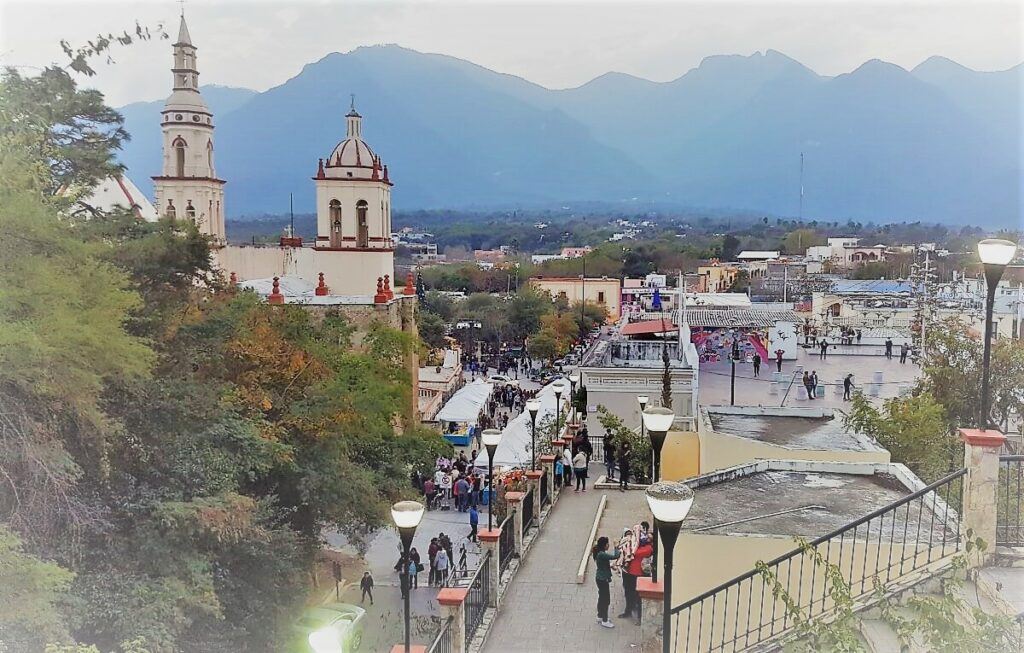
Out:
{"x": 600, "y": 297}
{"x": 334, "y": 220}
{"x": 190, "y": 210}
{"x": 363, "y": 233}
{"x": 179, "y": 156}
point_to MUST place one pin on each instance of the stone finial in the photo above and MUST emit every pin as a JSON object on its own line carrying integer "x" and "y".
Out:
{"x": 321, "y": 287}
{"x": 376, "y": 169}
{"x": 387, "y": 287}
{"x": 386, "y": 173}
{"x": 410, "y": 284}
{"x": 275, "y": 294}
{"x": 320, "y": 170}
{"x": 381, "y": 297}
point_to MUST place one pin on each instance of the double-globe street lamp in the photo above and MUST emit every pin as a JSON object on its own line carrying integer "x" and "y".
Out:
{"x": 490, "y": 438}
{"x": 533, "y": 407}
{"x": 670, "y": 502}
{"x": 407, "y": 516}
{"x": 559, "y": 388}
{"x": 657, "y": 420}
{"x": 995, "y": 255}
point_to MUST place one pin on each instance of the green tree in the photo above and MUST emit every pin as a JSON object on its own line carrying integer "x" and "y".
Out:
{"x": 798, "y": 240}
{"x": 431, "y": 329}
{"x": 31, "y": 595}
{"x": 525, "y": 312}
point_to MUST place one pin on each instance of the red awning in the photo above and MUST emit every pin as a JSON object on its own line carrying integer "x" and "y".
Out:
{"x": 648, "y": 327}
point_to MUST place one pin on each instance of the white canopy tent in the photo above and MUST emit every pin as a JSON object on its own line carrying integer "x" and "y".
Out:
{"x": 465, "y": 405}
{"x": 514, "y": 448}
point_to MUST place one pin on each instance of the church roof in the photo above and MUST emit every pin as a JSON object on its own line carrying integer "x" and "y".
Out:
{"x": 120, "y": 191}
{"x": 183, "y": 36}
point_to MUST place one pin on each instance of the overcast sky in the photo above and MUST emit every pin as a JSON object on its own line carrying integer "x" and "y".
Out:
{"x": 557, "y": 44}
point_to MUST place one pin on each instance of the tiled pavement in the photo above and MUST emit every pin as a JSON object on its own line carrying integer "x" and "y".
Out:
{"x": 544, "y": 609}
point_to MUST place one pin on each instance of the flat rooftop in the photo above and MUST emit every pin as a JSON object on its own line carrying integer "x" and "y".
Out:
{"x": 808, "y": 504}
{"x": 788, "y": 427}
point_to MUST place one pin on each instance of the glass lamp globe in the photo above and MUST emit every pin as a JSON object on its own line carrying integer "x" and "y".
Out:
{"x": 407, "y": 514}
{"x": 643, "y": 399}
{"x": 559, "y": 388}
{"x": 658, "y": 419}
{"x": 669, "y": 501}
{"x": 533, "y": 406}
{"x": 996, "y": 251}
{"x": 491, "y": 437}
{"x": 574, "y": 379}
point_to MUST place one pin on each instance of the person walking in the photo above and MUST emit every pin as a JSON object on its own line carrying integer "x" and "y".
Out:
{"x": 414, "y": 569}
{"x": 429, "y": 490}
{"x": 631, "y": 573}
{"x": 609, "y": 457}
{"x": 603, "y": 576}
{"x": 814, "y": 383}
{"x": 463, "y": 487}
{"x": 432, "y": 557}
{"x": 474, "y": 522}
{"x": 824, "y": 348}
{"x": 778, "y": 359}
{"x": 366, "y": 587}
{"x": 623, "y": 453}
{"x": 904, "y": 350}
{"x": 757, "y": 364}
{"x": 566, "y": 467}
{"x": 848, "y": 387}
{"x": 807, "y": 386}
{"x": 888, "y": 348}
{"x": 579, "y": 468}
{"x": 441, "y": 562}
{"x": 858, "y": 336}
{"x": 559, "y": 471}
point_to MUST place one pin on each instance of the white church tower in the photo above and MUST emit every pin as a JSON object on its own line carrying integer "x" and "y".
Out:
{"x": 188, "y": 187}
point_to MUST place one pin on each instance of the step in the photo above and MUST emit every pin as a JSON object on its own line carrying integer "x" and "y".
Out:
{"x": 1004, "y": 589}
{"x": 879, "y": 636}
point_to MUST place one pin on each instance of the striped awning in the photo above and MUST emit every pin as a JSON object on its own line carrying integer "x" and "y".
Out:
{"x": 724, "y": 318}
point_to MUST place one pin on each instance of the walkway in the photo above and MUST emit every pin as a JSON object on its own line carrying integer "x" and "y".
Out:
{"x": 544, "y": 609}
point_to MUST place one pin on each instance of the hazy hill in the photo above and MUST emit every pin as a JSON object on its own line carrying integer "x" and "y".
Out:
{"x": 941, "y": 142}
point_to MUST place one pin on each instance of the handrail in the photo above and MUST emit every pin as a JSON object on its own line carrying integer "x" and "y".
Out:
{"x": 824, "y": 538}
{"x": 445, "y": 631}
{"x": 1011, "y": 458}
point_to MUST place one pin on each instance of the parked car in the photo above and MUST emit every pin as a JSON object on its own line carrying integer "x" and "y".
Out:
{"x": 501, "y": 379}
{"x": 330, "y": 627}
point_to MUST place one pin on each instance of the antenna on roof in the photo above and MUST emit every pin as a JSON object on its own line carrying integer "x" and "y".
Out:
{"x": 182, "y": 3}
{"x": 291, "y": 211}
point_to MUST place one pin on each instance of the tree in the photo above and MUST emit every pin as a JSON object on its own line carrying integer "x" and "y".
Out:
{"x": 431, "y": 329}
{"x": 525, "y": 312}
{"x": 798, "y": 240}
{"x": 729, "y": 248}
{"x": 588, "y": 317}
{"x": 640, "y": 460}
{"x": 30, "y": 596}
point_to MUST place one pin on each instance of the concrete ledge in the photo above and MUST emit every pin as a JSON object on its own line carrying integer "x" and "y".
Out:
{"x": 489, "y": 535}
{"x": 452, "y": 596}
{"x": 581, "y": 571}
{"x": 602, "y": 483}
{"x": 649, "y": 589}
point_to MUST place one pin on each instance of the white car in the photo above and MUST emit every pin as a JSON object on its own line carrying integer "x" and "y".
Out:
{"x": 501, "y": 379}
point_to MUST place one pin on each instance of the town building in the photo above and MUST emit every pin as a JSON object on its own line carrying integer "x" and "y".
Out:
{"x": 846, "y": 252}
{"x": 576, "y": 252}
{"x": 602, "y": 291}
{"x": 718, "y": 277}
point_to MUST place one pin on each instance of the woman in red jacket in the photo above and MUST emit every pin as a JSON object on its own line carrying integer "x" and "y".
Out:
{"x": 629, "y": 575}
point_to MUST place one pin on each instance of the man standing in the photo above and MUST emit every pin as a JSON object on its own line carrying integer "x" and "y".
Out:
{"x": 757, "y": 364}
{"x": 904, "y": 350}
{"x": 366, "y": 586}
{"x": 474, "y": 521}
{"x": 778, "y": 359}
{"x": 432, "y": 554}
{"x": 609, "y": 457}
{"x": 623, "y": 453}
{"x": 814, "y": 384}
{"x": 807, "y": 386}
{"x": 848, "y": 387}
{"x": 888, "y": 348}
{"x": 462, "y": 489}
{"x": 824, "y": 348}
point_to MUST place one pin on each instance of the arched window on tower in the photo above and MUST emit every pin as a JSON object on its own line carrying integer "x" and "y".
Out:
{"x": 363, "y": 233}
{"x": 190, "y": 210}
{"x": 179, "y": 156}
{"x": 334, "y": 217}
{"x": 170, "y": 211}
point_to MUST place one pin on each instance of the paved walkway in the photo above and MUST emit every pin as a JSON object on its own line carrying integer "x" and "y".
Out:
{"x": 544, "y": 609}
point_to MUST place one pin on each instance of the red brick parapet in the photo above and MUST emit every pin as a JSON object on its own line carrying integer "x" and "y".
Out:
{"x": 982, "y": 437}
{"x": 548, "y": 458}
{"x": 489, "y": 534}
{"x": 452, "y": 596}
{"x": 648, "y": 589}
{"x": 536, "y": 475}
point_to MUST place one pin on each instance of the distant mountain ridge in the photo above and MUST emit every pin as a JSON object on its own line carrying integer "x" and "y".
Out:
{"x": 940, "y": 142}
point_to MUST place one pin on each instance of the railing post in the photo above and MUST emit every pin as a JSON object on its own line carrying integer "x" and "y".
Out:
{"x": 491, "y": 541}
{"x": 652, "y": 607}
{"x": 515, "y": 506}
{"x": 548, "y": 461}
{"x": 534, "y": 479}
{"x": 453, "y": 604}
{"x": 981, "y": 485}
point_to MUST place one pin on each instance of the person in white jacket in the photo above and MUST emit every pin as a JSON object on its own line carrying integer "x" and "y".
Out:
{"x": 566, "y": 467}
{"x": 579, "y": 468}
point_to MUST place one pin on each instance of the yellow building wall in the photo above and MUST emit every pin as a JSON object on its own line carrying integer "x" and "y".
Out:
{"x": 575, "y": 290}
{"x": 680, "y": 456}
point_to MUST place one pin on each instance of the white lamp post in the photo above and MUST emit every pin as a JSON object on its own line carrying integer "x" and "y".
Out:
{"x": 573, "y": 380}
{"x": 657, "y": 420}
{"x": 407, "y": 516}
{"x": 533, "y": 407}
{"x": 559, "y": 388}
{"x": 995, "y": 255}
{"x": 670, "y": 502}
{"x": 490, "y": 438}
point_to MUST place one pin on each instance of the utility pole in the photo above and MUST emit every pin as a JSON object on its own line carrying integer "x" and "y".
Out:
{"x": 801, "y": 187}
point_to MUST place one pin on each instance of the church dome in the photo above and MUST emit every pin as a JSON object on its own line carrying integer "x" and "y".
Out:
{"x": 352, "y": 153}
{"x": 182, "y": 100}
{"x": 352, "y": 158}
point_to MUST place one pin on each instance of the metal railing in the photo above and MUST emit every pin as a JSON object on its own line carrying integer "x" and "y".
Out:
{"x": 1010, "y": 502}
{"x": 886, "y": 544}
{"x": 527, "y": 504}
{"x": 443, "y": 640}
{"x": 544, "y": 498}
{"x": 506, "y": 543}
{"x": 456, "y": 570}
{"x": 476, "y": 599}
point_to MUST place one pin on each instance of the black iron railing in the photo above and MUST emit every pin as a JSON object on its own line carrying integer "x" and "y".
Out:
{"x": 443, "y": 640}
{"x": 476, "y": 600}
{"x": 887, "y": 544}
{"x": 544, "y": 498}
{"x": 456, "y": 569}
{"x": 506, "y": 543}
{"x": 1010, "y": 502}
{"x": 527, "y": 509}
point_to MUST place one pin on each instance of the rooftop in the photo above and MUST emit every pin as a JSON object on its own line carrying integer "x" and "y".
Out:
{"x": 797, "y": 428}
{"x": 799, "y": 499}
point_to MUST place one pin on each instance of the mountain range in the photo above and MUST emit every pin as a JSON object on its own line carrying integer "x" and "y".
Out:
{"x": 940, "y": 142}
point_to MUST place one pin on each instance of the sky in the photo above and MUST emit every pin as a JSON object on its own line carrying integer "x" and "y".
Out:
{"x": 261, "y": 44}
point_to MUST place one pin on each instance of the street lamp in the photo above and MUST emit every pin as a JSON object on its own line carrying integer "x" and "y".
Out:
{"x": 670, "y": 502}
{"x": 642, "y": 400}
{"x": 657, "y": 420}
{"x": 532, "y": 407}
{"x": 559, "y": 387}
{"x": 573, "y": 380}
{"x": 490, "y": 438}
{"x": 995, "y": 255}
{"x": 407, "y": 516}
{"x": 733, "y": 356}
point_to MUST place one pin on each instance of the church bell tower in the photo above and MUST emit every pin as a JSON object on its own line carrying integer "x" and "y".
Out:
{"x": 188, "y": 187}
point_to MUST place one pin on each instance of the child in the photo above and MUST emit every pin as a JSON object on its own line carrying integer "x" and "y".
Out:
{"x": 366, "y": 585}
{"x": 559, "y": 470}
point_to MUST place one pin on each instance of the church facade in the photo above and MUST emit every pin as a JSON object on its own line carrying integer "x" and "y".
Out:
{"x": 353, "y": 246}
